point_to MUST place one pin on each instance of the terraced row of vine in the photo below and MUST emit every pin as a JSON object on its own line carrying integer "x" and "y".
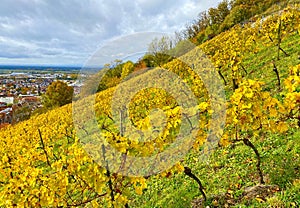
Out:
{"x": 44, "y": 164}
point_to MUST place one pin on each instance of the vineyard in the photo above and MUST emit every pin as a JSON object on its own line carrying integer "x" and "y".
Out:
{"x": 45, "y": 163}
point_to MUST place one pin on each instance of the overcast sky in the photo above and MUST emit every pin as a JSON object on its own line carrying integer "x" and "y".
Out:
{"x": 68, "y": 32}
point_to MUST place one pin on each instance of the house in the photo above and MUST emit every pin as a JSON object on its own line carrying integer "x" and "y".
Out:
{"x": 8, "y": 100}
{"x": 6, "y": 116}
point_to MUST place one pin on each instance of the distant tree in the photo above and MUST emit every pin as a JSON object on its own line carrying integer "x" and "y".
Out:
{"x": 160, "y": 50}
{"x": 141, "y": 64}
{"x": 223, "y": 11}
{"x": 112, "y": 76}
{"x": 221, "y": 18}
{"x": 127, "y": 68}
{"x": 203, "y": 20}
{"x": 58, "y": 94}
{"x": 148, "y": 60}
{"x": 182, "y": 48}
{"x": 74, "y": 76}
{"x": 115, "y": 69}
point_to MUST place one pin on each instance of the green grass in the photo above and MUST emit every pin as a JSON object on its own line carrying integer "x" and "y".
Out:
{"x": 260, "y": 66}
{"x": 230, "y": 170}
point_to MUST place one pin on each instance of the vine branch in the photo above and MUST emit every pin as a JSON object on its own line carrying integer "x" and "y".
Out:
{"x": 248, "y": 143}
{"x": 43, "y": 146}
{"x": 189, "y": 173}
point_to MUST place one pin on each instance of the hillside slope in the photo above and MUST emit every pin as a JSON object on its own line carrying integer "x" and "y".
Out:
{"x": 43, "y": 162}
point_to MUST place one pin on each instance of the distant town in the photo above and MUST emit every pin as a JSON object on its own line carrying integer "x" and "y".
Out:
{"x": 21, "y": 90}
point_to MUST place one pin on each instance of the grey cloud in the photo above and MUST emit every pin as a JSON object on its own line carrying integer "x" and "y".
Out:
{"x": 71, "y": 30}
